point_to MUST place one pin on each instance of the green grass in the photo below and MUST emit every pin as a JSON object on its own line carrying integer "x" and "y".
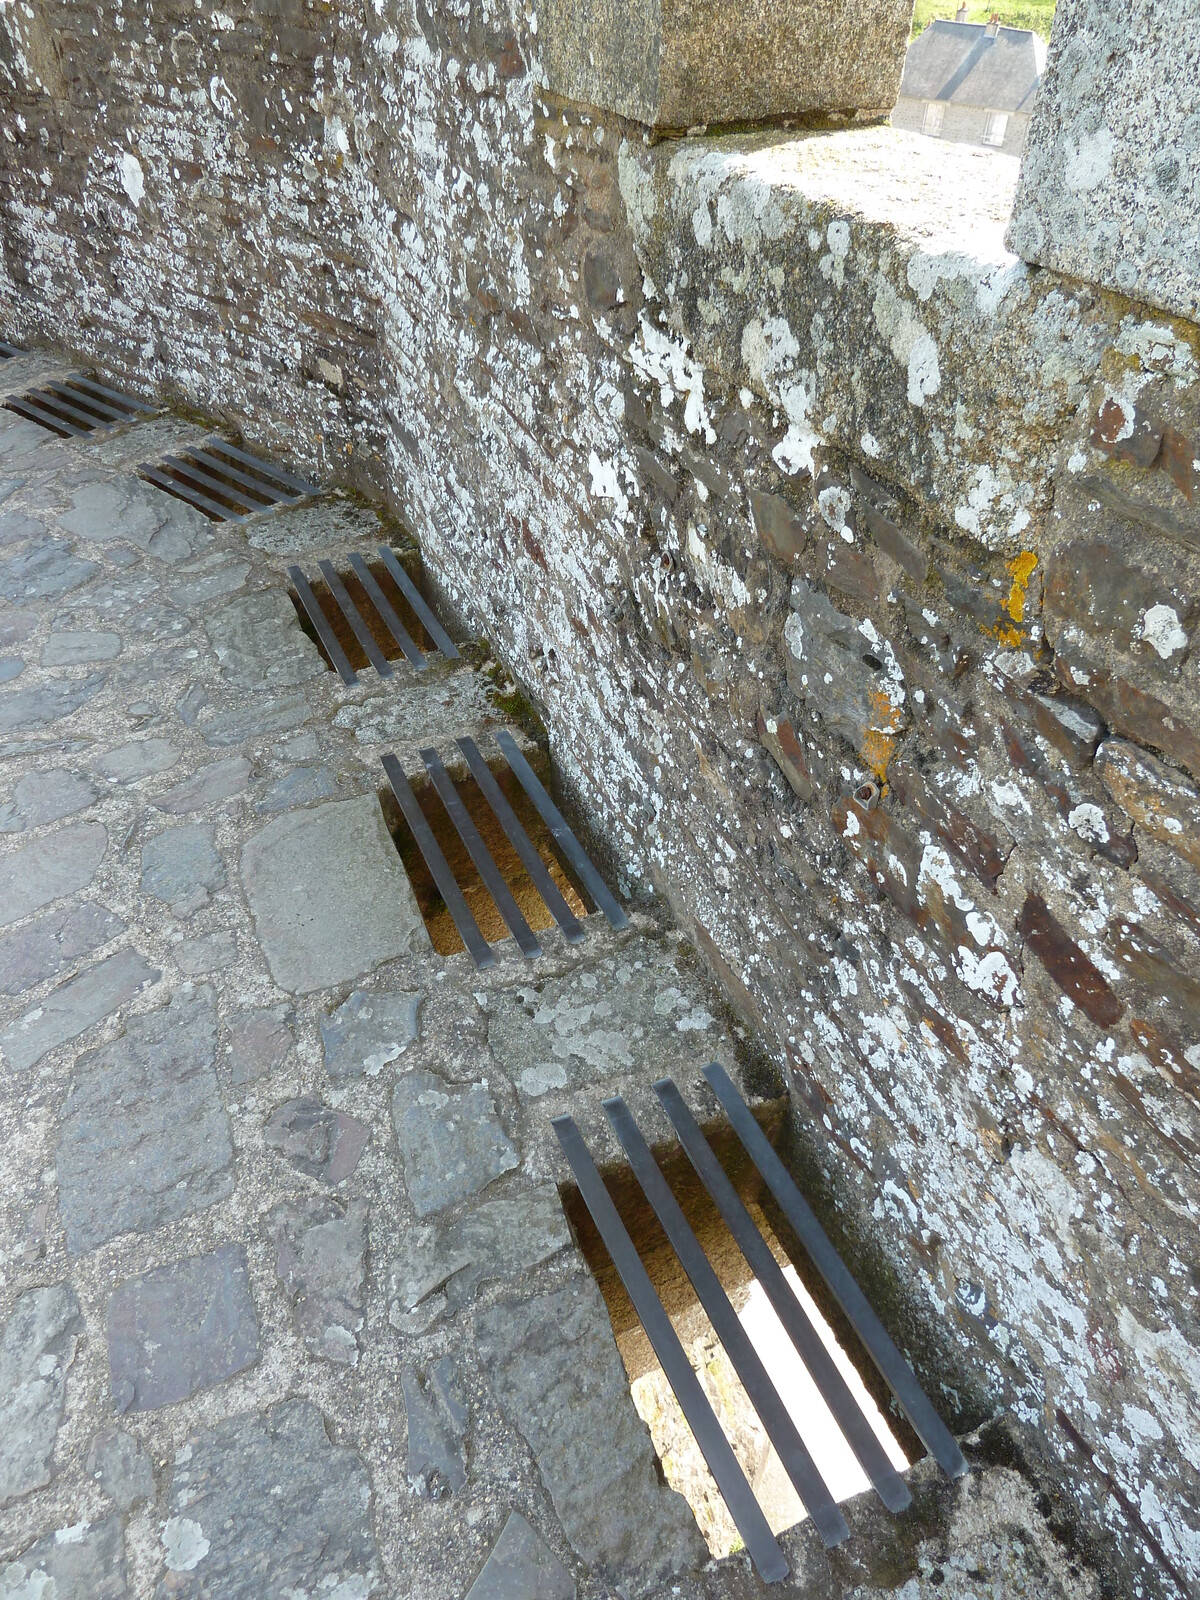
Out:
{"x": 1035, "y": 14}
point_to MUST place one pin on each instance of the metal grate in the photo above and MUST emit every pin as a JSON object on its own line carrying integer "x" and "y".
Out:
{"x": 7, "y": 351}
{"x": 730, "y": 1479}
{"x": 360, "y": 626}
{"x": 76, "y": 406}
{"x": 481, "y": 857}
{"x": 226, "y": 483}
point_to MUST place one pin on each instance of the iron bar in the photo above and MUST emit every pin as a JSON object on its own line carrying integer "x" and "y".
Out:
{"x": 129, "y": 401}
{"x": 321, "y": 623}
{"x": 271, "y": 493}
{"x": 33, "y": 412}
{"x": 193, "y": 497}
{"x": 359, "y": 627}
{"x": 417, "y": 601}
{"x": 387, "y": 612}
{"x": 211, "y": 487}
{"x": 266, "y": 469}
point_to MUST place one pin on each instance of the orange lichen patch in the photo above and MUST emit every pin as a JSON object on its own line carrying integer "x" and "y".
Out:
{"x": 878, "y": 748}
{"x": 1020, "y": 569}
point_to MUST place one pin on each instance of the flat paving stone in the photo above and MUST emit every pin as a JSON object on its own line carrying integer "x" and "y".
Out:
{"x": 179, "y": 1329}
{"x": 181, "y": 866}
{"x": 55, "y": 865}
{"x": 368, "y": 1031}
{"x": 43, "y": 704}
{"x": 57, "y": 939}
{"x": 121, "y": 1467}
{"x": 317, "y": 1140}
{"x": 10, "y": 667}
{"x": 207, "y": 952}
{"x": 522, "y": 1566}
{"x": 437, "y": 1424}
{"x": 143, "y": 1136}
{"x": 320, "y": 1258}
{"x": 17, "y": 526}
{"x": 553, "y": 1367}
{"x": 76, "y": 648}
{"x": 36, "y": 1349}
{"x": 451, "y": 1140}
{"x": 257, "y": 640}
{"x": 201, "y": 582}
{"x": 42, "y": 797}
{"x": 330, "y": 898}
{"x": 259, "y": 1041}
{"x": 300, "y": 787}
{"x": 75, "y": 1007}
{"x": 219, "y": 780}
{"x": 124, "y": 507}
{"x": 268, "y": 714}
{"x": 43, "y": 571}
{"x": 140, "y": 758}
{"x": 263, "y": 1504}
{"x": 83, "y": 1562}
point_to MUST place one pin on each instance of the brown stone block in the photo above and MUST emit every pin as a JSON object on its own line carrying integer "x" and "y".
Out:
{"x": 1136, "y": 713}
{"x": 1153, "y": 795}
{"x": 779, "y": 737}
{"x": 1147, "y": 963}
{"x": 1074, "y": 973}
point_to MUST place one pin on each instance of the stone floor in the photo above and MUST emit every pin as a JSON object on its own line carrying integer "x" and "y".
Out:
{"x": 288, "y": 1303}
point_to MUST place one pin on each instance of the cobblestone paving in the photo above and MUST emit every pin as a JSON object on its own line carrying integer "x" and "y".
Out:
{"x": 288, "y": 1303}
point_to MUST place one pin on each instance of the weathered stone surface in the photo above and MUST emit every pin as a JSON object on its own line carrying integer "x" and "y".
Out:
{"x": 258, "y": 641}
{"x": 37, "y": 707}
{"x": 140, "y": 759}
{"x": 208, "y": 952}
{"x": 219, "y": 780}
{"x": 181, "y": 865}
{"x": 10, "y": 667}
{"x": 741, "y": 62}
{"x": 437, "y": 1422}
{"x": 368, "y": 1031}
{"x": 330, "y": 898}
{"x": 265, "y": 1501}
{"x": 1075, "y": 974}
{"x": 58, "y": 864}
{"x": 75, "y": 1006}
{"x": 126, "y": 508}
{"x": 86, "y": 1560}
{"x": 439, "y": 1268}
{"x": 554, "y": 1369}
{"x": 779, "y": 737}
{"x": 1110, "y": 181}
{"x": 42, "y": 948}
{"x": 320, "y": 1251}
{"x": 43, "y": 571}
{"x": 635, "y": 1009}
{"x": 213, "y": 576}
{"x": 451, "y": 1140}
{"x": 179, "y": 1329}
{"x": 259, "y": 1041}
{"x": 143, "y": 1135}
{"x": 845, "y": 670}
{"x": 1157, "y": 798}
{"x": 780, "y": 527}
{"x": 121, "y": 1467}
{"x": 268, "y": 714}
{"x": 74, "y": 649}
{"x": 36, "y": 1349}
{"x": 522, "y": 1567}
{"x": 320, "y": 1142}
{"x": 41, "y": 797}
{"x": 299, "y": 787}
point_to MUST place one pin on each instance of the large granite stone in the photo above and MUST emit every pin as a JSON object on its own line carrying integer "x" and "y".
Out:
{"x": 41, "y": 797}
{"x": 43, "y": 947}
{"x": 181, "y": 866}
{"x": 259, "y": 641}
{"x": 73, "y": 648}
{"x": 266, "y": 714}
{"x": 124, "y": 507}
{"x": 259, "y": 1041}
{"x": 143, "y": 1137}
{"x": 707, "y": 62}
{"x": 368, "y": 1031}
{"x": 554, "y": 1369}
{"x": 75, "y": 1007}
{"x": 330, "y": 898}
{"x": 83, "y": 1562}
{"x": 522, "y": 1567}
{"x": 1110, "y": 180}
{"x": 264, "y": 1503}
{"x": 58, "y": 864}
{"x": 320, "y": 1257}
{"x": 36, "y": 1348}
{"x": 450, "y": 1138}
{"x": 140, "y": 758}
{"x": 179, "y": 1329}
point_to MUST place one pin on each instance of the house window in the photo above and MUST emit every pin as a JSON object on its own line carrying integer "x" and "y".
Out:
{"x": 996, "y": 127}
{"x": 934, "y": 112}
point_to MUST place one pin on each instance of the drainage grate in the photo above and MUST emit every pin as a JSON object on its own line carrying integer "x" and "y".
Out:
{"x": 497, "y": 814}
{"x": 9, "y": 350}
{"x": 746, "y": 1361}
{"x": 352, "y": 617}
{"x": 76, "y": 406}
{"x": 226, "y": 483}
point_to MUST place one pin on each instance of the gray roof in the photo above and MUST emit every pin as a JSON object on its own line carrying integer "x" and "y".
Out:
{"x": 959, "y": 63}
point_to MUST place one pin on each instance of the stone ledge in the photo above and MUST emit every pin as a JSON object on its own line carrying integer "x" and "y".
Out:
{"x": 859, "y": 281}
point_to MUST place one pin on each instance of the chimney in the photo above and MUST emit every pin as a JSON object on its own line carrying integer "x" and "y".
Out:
{"x": 993, "y": 27}
{"x": 961, "y": 14}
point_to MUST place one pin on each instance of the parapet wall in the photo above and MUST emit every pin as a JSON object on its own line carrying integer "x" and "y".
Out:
{"x": 855, "y": 564}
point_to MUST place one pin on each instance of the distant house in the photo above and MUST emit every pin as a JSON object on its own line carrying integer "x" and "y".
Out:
{"x": 972, "y": 82}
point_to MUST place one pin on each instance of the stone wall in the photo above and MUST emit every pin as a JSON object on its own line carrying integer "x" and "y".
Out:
{"x": 854, "y": 565}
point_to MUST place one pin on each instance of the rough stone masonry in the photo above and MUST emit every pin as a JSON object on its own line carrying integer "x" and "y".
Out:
{"x": 854, "y": 563}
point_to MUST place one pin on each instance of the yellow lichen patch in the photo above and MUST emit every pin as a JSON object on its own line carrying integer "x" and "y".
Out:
{"x": 1020, "y": 570}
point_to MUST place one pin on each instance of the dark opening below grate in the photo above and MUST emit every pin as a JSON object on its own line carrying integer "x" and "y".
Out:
{"x": 492, "y": 854}
{"x": 700, "y": 1263}
{"x": 7, "y": 351}
{"x": 368, "y": 616}
{"x": 77, "y": 406}
{"x": 225, "y": 482}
